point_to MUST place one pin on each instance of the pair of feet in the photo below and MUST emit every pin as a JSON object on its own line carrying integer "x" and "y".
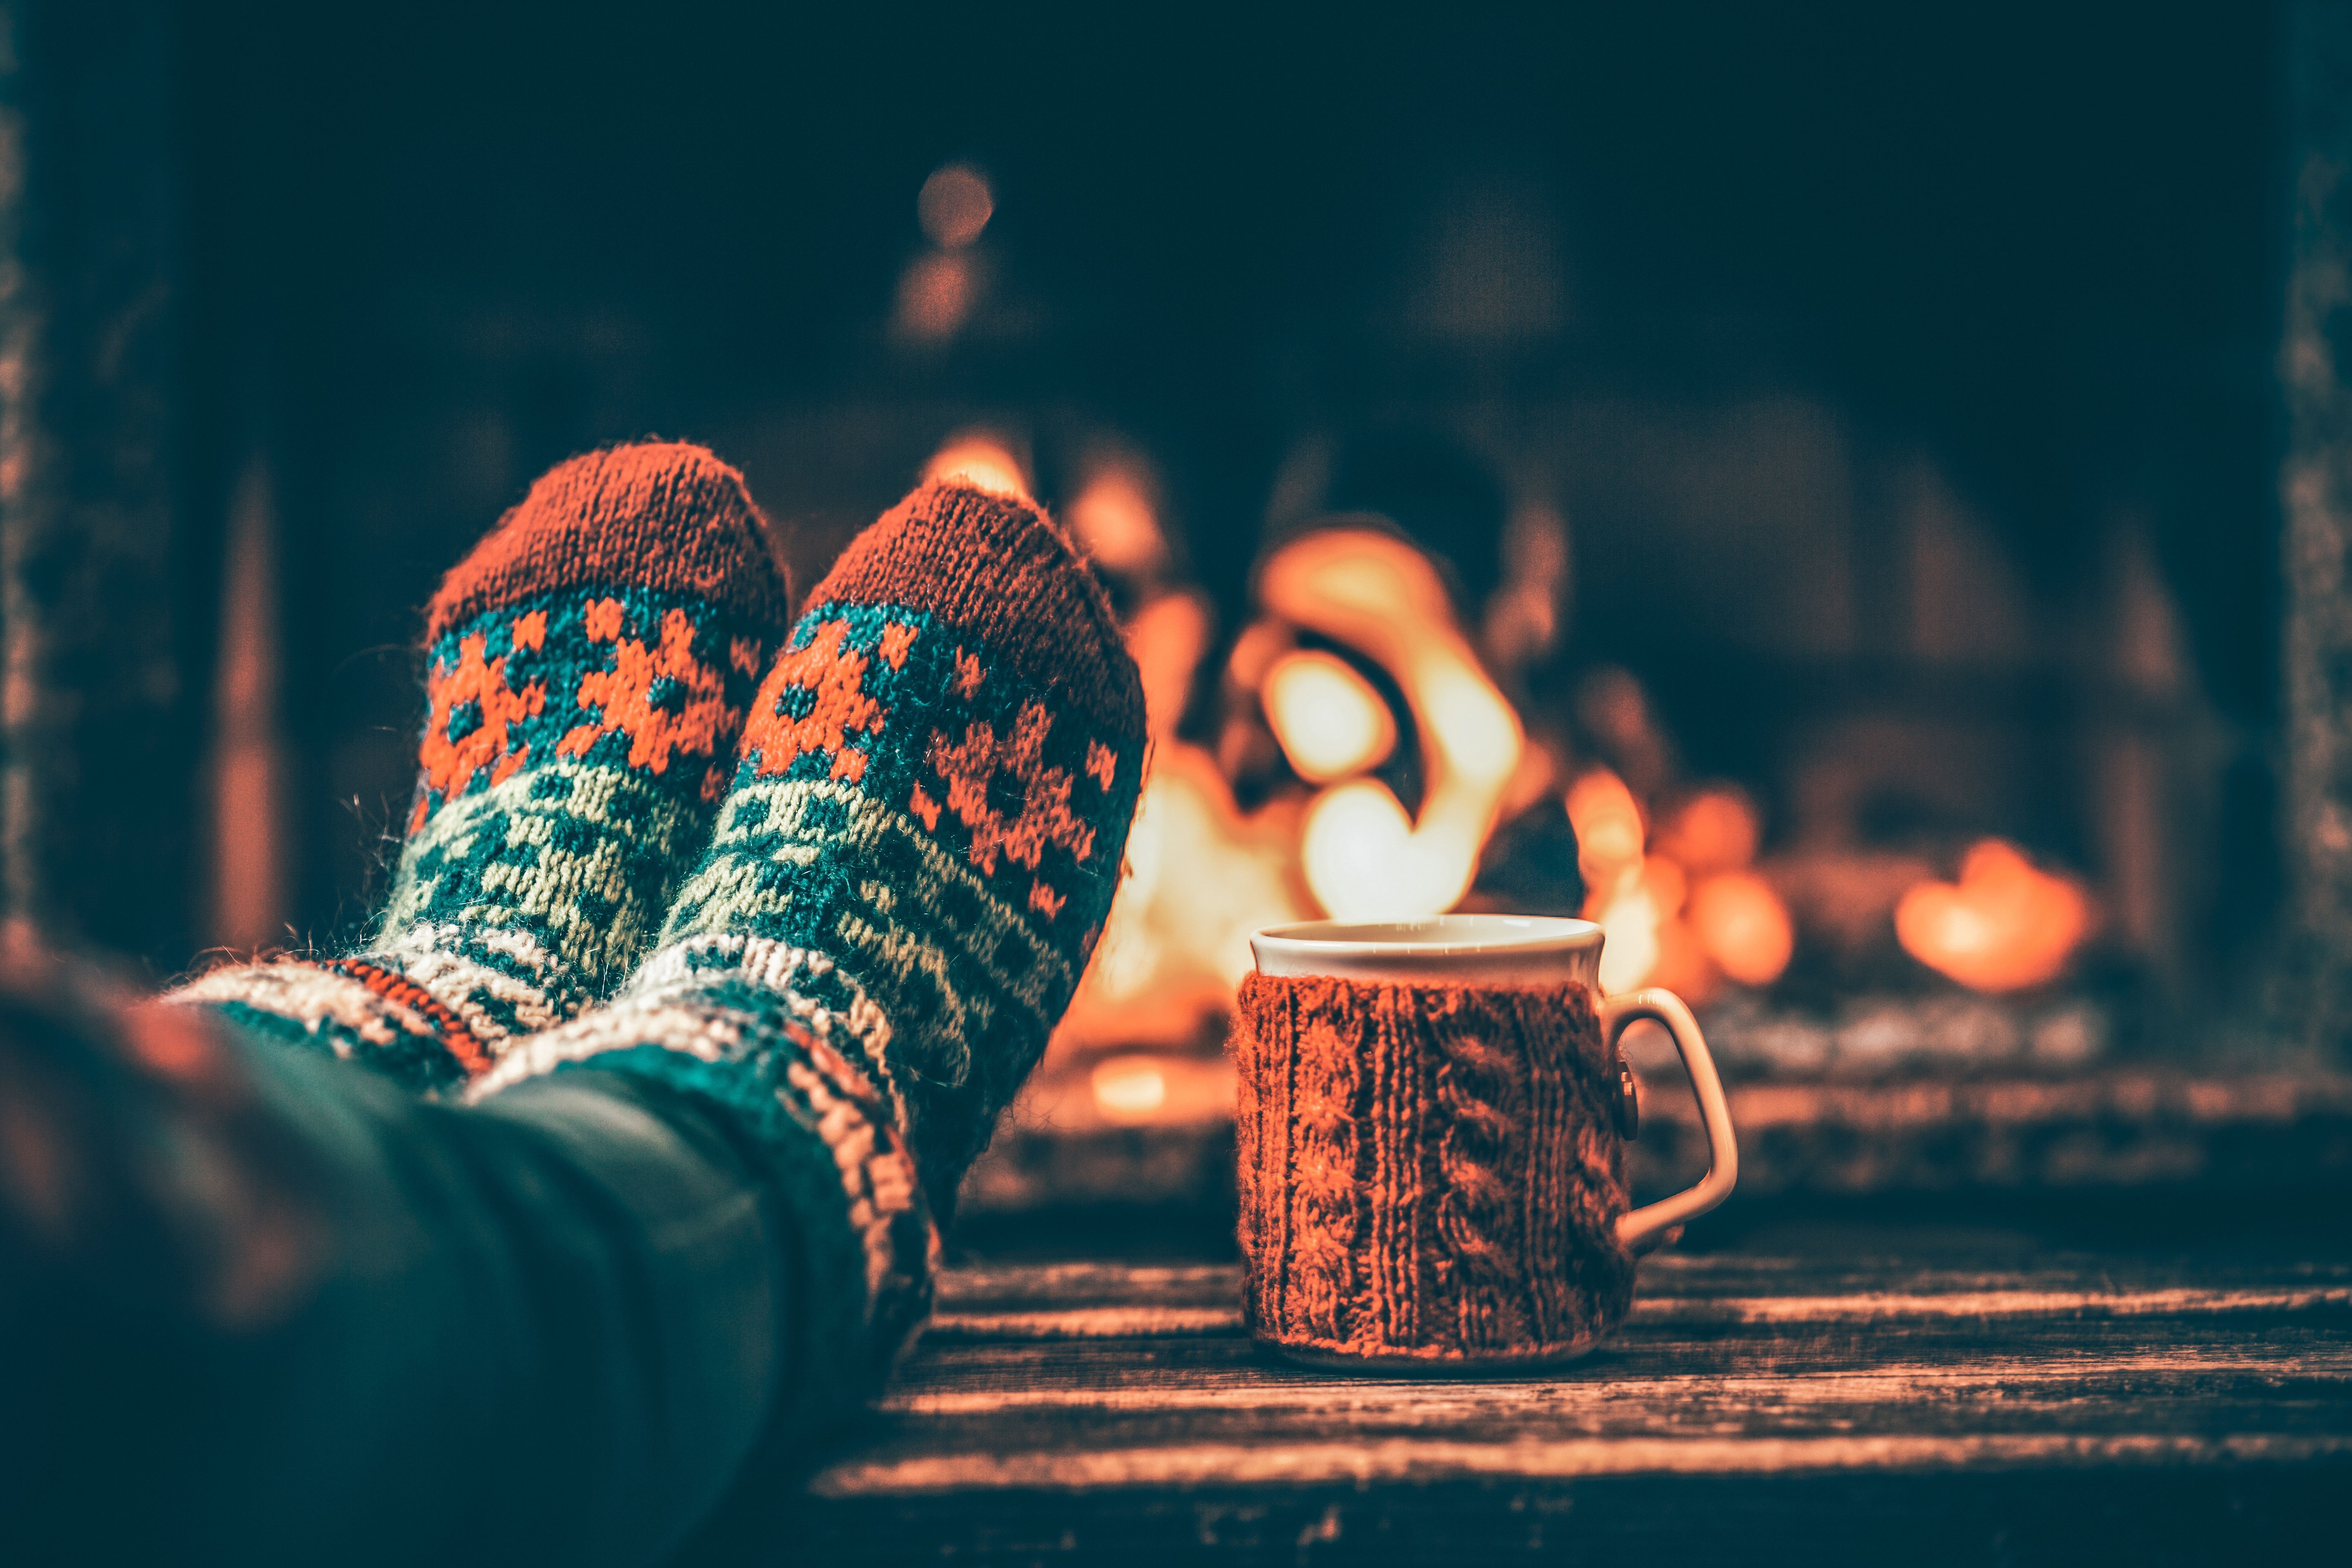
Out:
{"x": 835, "y": 877}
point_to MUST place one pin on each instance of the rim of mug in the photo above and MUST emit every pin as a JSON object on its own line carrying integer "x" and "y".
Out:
{"x": 1500, "y": 934}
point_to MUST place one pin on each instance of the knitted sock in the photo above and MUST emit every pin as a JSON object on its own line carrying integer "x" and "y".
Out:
{"x": 589, "y": 667}
{"x": 911, "y": 869}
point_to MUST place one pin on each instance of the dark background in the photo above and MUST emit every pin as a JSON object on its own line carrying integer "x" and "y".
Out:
{"x": 434, "y": 249}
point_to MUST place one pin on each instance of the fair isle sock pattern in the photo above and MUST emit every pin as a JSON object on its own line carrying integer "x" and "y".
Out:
{"x": 907, "y": 876}
{"x": 781, "y": 1041}
{"x": 588, "y": 669}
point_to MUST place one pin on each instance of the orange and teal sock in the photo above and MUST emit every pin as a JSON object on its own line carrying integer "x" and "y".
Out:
{"x": 589, "y": 668}
{"x": 909, "y": 872}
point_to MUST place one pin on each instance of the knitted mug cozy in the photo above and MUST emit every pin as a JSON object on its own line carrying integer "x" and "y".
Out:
{"x": 1430, "y": 1175}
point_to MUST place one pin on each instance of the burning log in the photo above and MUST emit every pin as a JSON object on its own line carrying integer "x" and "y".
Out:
{"x": 1366, "y": 859}
{"x": 2005, "y": 926}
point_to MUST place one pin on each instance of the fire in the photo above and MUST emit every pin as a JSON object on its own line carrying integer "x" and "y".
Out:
{"x": 1364, "y": 857}
{"x": 1129, "y": 1089}
{"x": 1201, "y": 874}
{"x": 1329, "y": 721}
{"x": 1742, "y": 924}
{"x": 982, "y": 460}
{"x": 2006, "y": 926}
{"x": 1685, "y": 911}
{"x": 1114, "y": 522}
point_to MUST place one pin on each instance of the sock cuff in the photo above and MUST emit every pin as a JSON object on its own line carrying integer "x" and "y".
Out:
{"x": 793, "y": 1054}
{"x": 998, "y": 571}
{"x": 668, "y": 515}
{"x": 350, "y": 1009}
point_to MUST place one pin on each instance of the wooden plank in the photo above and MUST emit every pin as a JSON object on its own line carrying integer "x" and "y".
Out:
{"x": 1394, "y": 1461}
{"x": 2149, "y": 1515}
{"x": 1155, "y": 1323}
{"x": 1800, "y": 1409}
{"x": 1687, "y": 1274}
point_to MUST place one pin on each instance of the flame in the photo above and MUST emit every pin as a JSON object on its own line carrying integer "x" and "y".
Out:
{"x": 1364, "y": 859}
{"x": 1329, "y": 721}
{"x": 1114, "y": 521}
{"x": 1618, "y": 895}
{"x": 1129, "y": 1089}
{"x": 1609, "y": 828}
{"x": 1201, "y": 875}
{"x": 1742, "y": 925}
{"x": 1167, "y": 638}
{"x": 982, "y": 460}
{"x": 2006, "y": 926}
{"x": 1685, "y": 913}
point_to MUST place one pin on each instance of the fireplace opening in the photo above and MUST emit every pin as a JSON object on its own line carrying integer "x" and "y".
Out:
{"x": 1814, "y": 510}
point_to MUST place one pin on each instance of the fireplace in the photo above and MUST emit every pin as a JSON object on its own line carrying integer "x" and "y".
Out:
{"x": 1944, "y": 845}
{"x": 1836, "y": 551}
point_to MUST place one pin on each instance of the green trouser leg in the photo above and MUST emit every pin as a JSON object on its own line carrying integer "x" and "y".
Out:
{"x": 552, "y": 1329}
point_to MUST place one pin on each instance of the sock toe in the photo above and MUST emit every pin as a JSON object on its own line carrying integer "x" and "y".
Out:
{"x": 668, "y": 516}
{"x": 1035, "y": 606}
{"x": 589, "y": 667}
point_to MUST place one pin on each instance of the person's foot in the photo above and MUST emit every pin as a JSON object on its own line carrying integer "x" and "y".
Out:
{"x": 589, "y": 667}
{"x": 907, "y": 876}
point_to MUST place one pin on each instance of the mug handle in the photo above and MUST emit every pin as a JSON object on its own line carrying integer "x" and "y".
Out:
{"x": 1722, "y": 1148}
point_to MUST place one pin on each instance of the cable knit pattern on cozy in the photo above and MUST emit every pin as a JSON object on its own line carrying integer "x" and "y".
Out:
{"x": 1428, "y": 1172}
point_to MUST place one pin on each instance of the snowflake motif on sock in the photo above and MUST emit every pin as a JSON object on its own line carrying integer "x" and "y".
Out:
{"x": 663, "y": 698}
{"x": 969, "y": 769}
{"x": 470, "y": 707}
{"x": 839, "y": 710}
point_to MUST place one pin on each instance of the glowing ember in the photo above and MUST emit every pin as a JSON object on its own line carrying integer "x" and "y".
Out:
{"x": 1364, "y": 857}
{"x": 1717, "y": 830}
{"x": 982, "y": 460}
{"x": 1742, "y": 925}
{"x": 2005, "y": 926}
{"x": 1114, "y": 523}
{"x": 1329, "y": 721}
{"x": 1129, "y": 1089}
{"x": 1687, "y": 913}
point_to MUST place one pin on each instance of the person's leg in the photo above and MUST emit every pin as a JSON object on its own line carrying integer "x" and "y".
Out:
{"x": 261, "y": 1306}
{"x": 589, "y": 665}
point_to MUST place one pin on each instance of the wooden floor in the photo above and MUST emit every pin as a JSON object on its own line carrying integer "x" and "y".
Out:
{"x": 1755, "y": 1407}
